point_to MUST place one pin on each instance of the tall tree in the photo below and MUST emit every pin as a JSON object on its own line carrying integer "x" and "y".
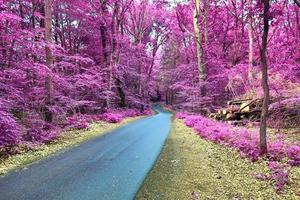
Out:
{"x": 49, "y": 61}
{"x": 265, "y": 84}
{"x": 103, "y": 32}
{"x": 201, "y": 66}
{"x": 250, "y": 36}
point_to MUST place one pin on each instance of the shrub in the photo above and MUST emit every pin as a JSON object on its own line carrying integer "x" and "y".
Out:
{"x": 293, "y": 153}
{"x": 112, "y": 117}
{"x": 79, "y": 122}
{"x": 10, "y": 133}
{"x": 246, "y": 142}
{"x": 279, "y": 173}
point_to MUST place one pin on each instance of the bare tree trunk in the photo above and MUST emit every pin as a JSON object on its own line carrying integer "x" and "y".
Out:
{"x": 113, "y": 51}
{"x": 265, "y": 85}
{"x": 49, "y": 61}
{"x": 118, "y": 82}
{"x": 201, "y": 67}
{"x": 250, "y": 35}
{"x": 205, "y": 14}
{"x": 103, "y": 31}
{"x": 297, "y": 21}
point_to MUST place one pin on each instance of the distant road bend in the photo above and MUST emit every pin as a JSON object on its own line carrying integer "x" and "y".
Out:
{"x": 109, "y": 167}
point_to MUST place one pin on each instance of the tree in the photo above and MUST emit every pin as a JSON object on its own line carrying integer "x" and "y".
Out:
{"x": 201, "y": 67}
{"x": 265, "y": 84}
{"x": 250, "y": 36}
{"x": 49, "y": 61}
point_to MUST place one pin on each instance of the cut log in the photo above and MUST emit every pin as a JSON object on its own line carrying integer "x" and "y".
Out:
{"x": 238, "y": 102}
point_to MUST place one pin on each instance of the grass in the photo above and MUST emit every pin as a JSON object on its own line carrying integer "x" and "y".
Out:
{"x": 65, "y": 141}
{"x": 192, "y": 168}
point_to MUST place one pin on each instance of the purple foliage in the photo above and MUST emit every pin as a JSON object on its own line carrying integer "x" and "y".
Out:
{"x": 277, "y": 150}
{"x": 80, "y": 121}
{"x": 112, "y": 117}
{"x": 243, "y": 140}
{"x": 279, "y": 173}
{"x": 246, "y": 142}
{"x": 10, "y": 133}
{"x": 293, "y": 153}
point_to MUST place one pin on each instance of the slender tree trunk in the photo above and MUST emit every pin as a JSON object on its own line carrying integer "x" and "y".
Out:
{"x": 297, "y": 21}
{"x": 49, "y": 61}
{"x": 103, "y": 32}
{"x": 205, "y": 14}
{"x": 265, "y": 85}
{"x": 118, "y": 82}
{"x": 113, "y": 51}
{"x": 250, "y": 35}
{"x": 201, "y": 67}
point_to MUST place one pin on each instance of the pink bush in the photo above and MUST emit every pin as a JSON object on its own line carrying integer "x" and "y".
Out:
{"x": 112, "y": 117}
{"x": 79, "y": 121}
{"x": 293, "y": 153}
{"x": 10, "y": 133}
{"x": 279, "y": 173}
{"x": 247, "y": 143}
{"x": 225, "y": 134}
{"x": 277, "y": 150}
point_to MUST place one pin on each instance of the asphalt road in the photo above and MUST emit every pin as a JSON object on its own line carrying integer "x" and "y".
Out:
{"x": 111, "y": 167}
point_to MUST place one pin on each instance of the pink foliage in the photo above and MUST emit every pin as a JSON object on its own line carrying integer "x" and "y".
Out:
{"x": 80, "y": 121}
{"x": 112, "y": 117}
{"x": 293, "y": 153}
{"x": 10, "y": 133}
{"x": 246, "y": 142}
{"x": 279, "y": 173}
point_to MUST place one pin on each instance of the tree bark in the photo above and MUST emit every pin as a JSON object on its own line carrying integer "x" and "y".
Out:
{"x": 49, "y": 61}
{"x": 265, "y": 85}
{"x": 205, "y": 14}
{"x": 297, "y": 21}
{"x": 103, "y": 32}
{"x": 201, "y": 67}
{"x": 250, "y": 35}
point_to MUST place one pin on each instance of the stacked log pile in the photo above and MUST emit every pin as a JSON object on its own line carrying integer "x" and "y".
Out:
{"x": 284, "y": 110}
{"x": 239, "y": 110}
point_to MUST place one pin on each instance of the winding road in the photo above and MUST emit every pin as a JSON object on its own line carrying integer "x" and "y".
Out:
{"x": 109, "y": 167}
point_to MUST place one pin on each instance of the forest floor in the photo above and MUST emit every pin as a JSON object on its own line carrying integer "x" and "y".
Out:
{"x": 192, "y": 168}
{"x": 63, "y": 142}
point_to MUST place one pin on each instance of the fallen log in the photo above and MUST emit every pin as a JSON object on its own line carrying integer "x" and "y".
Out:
{"x": 238, "y": 102}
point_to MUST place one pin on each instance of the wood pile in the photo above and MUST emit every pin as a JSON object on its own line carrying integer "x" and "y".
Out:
{"x": 283, "y": 110}
{"x": 240, "y": 109}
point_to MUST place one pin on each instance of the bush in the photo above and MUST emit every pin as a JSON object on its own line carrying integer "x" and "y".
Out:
{"x": 10, "y": 133}
{"x": 293, "y": 153}
{"x": 112, "y": 117}
{"x": 80, "y": 121}
{"x": 246, "y": 142}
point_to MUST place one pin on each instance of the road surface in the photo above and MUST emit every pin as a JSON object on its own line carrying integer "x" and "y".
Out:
{"x": 110, "y": 167}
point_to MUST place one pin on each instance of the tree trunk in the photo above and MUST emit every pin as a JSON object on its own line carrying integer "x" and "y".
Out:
{"x": 49, "y": 61}
{"x": 112, "y": 52}
{"x": 297, "y": 21}
{"x": 205, "y": 14}
{"x": 265, "y": 85}
{"x": 103, "y": 31}
{"x": 201, "y": 67}
{"x": 250, "y": 35}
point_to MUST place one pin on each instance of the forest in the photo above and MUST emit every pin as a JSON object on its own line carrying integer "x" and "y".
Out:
{"x": 230, "y": 69}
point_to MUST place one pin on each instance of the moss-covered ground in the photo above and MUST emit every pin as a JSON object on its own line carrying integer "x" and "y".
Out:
{"x": 192, "y": 168}
{"x": 66, "y": 140}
